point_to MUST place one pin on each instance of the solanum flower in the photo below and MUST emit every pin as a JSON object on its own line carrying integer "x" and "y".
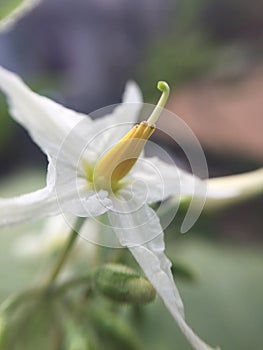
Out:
{"x": 97, "y": 167}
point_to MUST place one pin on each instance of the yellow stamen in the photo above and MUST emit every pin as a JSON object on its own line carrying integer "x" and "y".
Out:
{"x": 119, "y": 160}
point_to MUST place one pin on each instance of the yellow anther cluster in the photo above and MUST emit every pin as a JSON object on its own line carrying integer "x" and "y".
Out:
{"x": 119, "y": 160}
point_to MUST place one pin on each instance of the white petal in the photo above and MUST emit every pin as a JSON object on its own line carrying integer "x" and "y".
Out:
{"x": 63, "y": 198}
{"x": 20, "y": 11}
{"x": 132, "y": 93}
{"x": 162, "y": 180}
{"x": 109, "y": 129}
{"x": 84, "y": 203}
{"x": 233, "y": 186}
{"x": 128, "y": 110}
{"x": 155, "y": 265}
{"x": 47, "y": 121}
{"x": 31, "y": 206}
{"x": 74, "y": 194}
{"x": 139, "y": 229}
{"x": 66, "y": 192}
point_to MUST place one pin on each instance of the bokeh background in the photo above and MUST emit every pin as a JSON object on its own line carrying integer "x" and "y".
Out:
{"x": 81, "y": 53}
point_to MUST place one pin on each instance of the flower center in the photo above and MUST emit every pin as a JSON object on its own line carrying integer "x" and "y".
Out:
{"x": 112, "y": 167}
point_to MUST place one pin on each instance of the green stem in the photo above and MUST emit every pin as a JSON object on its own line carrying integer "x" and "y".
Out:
{"x": 67, "y": 249}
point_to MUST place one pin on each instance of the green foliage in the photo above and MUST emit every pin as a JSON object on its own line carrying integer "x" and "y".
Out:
{"x": 55, "y": 320}
{"x": 184, "y": 54}
{"x": 178, "y": 60}
{"x": 30, "y": 326}
{"x": 115, "y": 330}
{"x": 189, "y": 50}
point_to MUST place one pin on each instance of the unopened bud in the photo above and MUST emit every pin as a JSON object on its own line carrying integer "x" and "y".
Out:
{"x": 122, "y": 284}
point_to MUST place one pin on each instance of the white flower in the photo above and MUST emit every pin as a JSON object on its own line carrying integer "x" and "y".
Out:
{"x": 21, "y": 10}
{"x": 85, "y": 181}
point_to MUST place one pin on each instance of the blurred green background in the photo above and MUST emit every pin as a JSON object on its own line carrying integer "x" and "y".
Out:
{"x": 81, "y": 53}
{"x": 223, "y": 302}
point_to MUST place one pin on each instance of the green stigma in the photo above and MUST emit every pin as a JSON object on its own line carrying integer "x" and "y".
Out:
{"x": 165, "y": 89}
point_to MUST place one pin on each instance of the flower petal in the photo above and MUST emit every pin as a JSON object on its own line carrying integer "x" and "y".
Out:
{"x": 127, "y": 111}
{"x": 73, "y": 192}
{"x": 31, "y": 206}
{"x": 132, "y": 93}
{"x": 156, "y": 266}
{"x": 163, "y": 180}
{"x": 138, "y": 228}
{"x": 153, "y": 261}
{"x": 233, "y": 186}
{"x": 109, "y": 129}
{"x": 63, "y": 198}
{"x": 47, "y": 121}
{"x": 66, "y": 192}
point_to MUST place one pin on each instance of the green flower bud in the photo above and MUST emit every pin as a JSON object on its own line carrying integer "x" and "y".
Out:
{"x": 122, "y": 284}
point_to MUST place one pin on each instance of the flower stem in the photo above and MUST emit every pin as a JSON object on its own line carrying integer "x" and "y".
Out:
{"x": 67, "y": 249}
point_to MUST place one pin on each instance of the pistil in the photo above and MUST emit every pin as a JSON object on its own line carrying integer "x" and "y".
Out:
{"x": 119, "y": 160}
